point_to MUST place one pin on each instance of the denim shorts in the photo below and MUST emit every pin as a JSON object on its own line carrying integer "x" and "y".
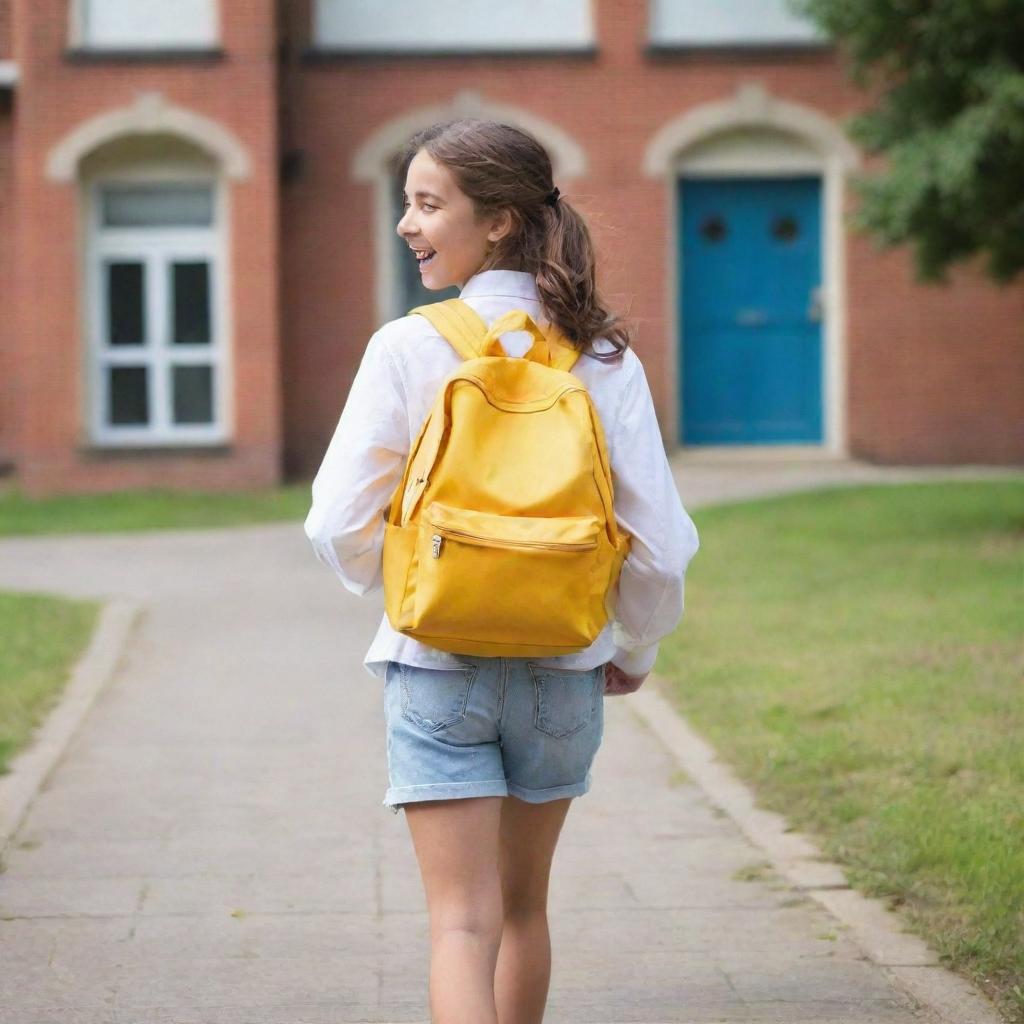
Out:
{"x": 491, "y": 727}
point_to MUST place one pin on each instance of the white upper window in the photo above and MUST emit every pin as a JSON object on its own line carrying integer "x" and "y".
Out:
{"x": 729, "y": 23}
{"x": 148, "y": 24}
{"x": 468, "y": 25}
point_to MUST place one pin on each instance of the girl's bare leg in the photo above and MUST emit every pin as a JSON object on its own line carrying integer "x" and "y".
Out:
{"x": 456, "y": 844}
{"x": 528, "y": 836}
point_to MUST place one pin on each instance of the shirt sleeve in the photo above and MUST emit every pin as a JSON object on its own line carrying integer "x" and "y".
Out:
{"x": 664, "y": 538}
{"x": 360, "y": 471}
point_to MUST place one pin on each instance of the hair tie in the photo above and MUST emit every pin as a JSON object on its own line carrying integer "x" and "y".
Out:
{"x": 552, "y": 197}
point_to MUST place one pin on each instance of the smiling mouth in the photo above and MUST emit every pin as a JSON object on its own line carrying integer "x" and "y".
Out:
{"x": 424, "y": 256}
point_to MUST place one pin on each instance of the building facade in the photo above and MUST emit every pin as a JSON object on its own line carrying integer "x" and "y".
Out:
{"x": 197, "y": 230}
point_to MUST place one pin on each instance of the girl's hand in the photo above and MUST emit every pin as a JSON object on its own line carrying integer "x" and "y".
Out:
{"x": 617, "y": 682}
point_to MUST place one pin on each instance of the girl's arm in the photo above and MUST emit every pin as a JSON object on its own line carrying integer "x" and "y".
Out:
{"x": 362, "y": 467}
{"x": 664, "y": 538}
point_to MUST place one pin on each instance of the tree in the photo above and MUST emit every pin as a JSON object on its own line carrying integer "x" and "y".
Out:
{"x": 950, "y": 119}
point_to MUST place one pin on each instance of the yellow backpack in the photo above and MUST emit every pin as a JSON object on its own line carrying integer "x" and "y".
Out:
{"x": 501, "y": 538}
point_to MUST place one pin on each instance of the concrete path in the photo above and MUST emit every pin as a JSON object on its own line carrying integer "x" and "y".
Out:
{"x": 212, "y": 848}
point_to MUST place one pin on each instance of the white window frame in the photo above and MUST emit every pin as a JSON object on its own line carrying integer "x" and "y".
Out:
{"x": 156, "y": 248}
{"x": 80, "y": 36}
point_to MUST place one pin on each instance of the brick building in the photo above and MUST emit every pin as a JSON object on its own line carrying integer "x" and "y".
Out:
{"x": 198, "y": 203}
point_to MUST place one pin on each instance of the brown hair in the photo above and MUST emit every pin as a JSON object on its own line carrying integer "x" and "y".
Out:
{"x": 499, "y": 166}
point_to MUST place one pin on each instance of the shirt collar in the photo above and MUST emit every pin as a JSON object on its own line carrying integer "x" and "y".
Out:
{"x": 515, "y": 284}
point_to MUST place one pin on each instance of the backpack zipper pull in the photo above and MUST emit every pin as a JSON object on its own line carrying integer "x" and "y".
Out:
{"x": 437, "y": 539}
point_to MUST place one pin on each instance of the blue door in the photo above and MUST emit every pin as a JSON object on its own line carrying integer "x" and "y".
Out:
{"x": 751, "y": 317}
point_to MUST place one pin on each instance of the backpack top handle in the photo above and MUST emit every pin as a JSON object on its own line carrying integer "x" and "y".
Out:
{"x": 517, "y": 320}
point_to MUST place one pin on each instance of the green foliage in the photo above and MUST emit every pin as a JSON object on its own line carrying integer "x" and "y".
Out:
{"x": 949, "y": 118}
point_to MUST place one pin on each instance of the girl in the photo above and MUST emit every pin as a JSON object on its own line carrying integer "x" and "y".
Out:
{"x": 486, "y": 754}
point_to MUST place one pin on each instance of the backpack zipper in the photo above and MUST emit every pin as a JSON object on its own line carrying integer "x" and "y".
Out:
{"x": 490, "y": 542}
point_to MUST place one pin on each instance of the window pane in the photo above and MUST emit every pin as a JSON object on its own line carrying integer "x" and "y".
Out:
{"x": 128, "y": 401}
{"x": 453, "y": 25}
{"x": 126, "y": 303}
{"x": 190, "y": 302}
{"x": 785, "y": 228}
{"x": 150, "y": 23}
{"x": 157, "y": 206}
{"x": 714, "y": 228}
{"x": 193, "y": 394}
{"x": 698, "y": 23}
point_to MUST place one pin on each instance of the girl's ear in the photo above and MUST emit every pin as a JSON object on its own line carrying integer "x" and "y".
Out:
{"x": 502, "y": 225}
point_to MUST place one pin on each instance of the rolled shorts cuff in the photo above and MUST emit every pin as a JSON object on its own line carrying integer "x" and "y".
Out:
{"x": 541, "y": 796}
{"x": 443, "y": 791}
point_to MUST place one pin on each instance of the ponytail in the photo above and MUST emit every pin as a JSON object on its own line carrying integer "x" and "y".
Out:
{"x": 567, "y": 285}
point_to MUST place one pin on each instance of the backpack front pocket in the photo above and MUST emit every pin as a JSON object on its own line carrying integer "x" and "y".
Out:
{"x": 507, "y": 580}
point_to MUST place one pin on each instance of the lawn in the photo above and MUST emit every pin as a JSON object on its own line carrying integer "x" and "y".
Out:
{"x": 858, "y": 656}
{"x": 43, "y": 637}
{"x": 150, "y": 510}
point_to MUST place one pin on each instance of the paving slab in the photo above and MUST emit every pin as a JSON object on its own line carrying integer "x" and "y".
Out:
{"x": 210, "y": 845}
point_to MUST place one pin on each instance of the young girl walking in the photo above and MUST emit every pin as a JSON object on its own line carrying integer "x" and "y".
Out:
{"x": 485, "y": 754}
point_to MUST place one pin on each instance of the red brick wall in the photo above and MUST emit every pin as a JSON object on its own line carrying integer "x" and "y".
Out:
{"x": 936, "y": 372}
{"x": 5, "y": 29}
{"x": 6, "y": 288}
{"x": 55, "y": 96}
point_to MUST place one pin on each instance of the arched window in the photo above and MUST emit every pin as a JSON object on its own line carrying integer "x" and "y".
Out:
{"x": 155, "y": 295}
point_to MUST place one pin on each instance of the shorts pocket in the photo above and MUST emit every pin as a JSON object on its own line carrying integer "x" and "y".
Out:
{"x": 566, "y": 699}
{"x": 435, "y": 698}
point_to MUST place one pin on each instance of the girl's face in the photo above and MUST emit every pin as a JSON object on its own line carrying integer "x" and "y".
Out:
{"x": 438, "y": 219}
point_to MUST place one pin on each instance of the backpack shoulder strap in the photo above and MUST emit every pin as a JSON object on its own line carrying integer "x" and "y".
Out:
{"x": 465, "y": 330}
{"x": 458, "y": 323}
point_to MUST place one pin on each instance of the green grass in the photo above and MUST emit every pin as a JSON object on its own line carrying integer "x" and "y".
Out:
{"x": 43, "y": 637}
{"x": 150, "y": 510}
{"x": 858, "y": 656}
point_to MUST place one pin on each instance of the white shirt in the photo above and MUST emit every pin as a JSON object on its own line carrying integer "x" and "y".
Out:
{"x": 401, "y": 372}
